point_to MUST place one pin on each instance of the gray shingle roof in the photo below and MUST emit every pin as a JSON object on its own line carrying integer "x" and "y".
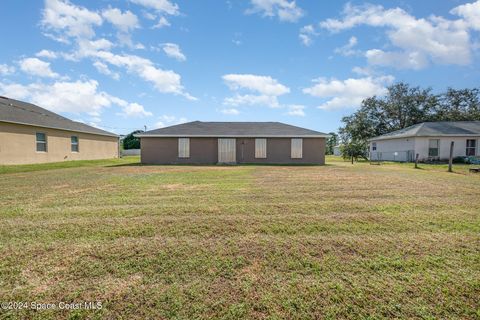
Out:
{"x": 16, "y": 111}
{"x": 232, "y": 129}
{"x": 433, "y": 129}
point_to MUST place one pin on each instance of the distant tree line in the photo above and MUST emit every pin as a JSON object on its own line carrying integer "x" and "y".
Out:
{"x": 131, "y": 142}
{"x": 401, "y": 107}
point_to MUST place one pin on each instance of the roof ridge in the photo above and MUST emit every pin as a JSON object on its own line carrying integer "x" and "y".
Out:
{"x": 36, "y": 112}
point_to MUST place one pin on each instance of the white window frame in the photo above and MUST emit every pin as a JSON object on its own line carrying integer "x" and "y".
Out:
{"x": 72, "y": 144}
{"x": 41, "y": 142}
{"x": 474, "y": 148}
{"x": 438, "y": 148}
{"x": 260, "y": 148}
{"x": 184, "y": 148}
{"x": 374, "y": 146}
{"x": 296, "y": 148}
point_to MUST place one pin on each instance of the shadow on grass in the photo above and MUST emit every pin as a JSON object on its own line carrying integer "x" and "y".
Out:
{"x": 220, "y": 165}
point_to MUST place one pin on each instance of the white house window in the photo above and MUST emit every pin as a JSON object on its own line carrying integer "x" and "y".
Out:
{"x": 184, "y": 147}
{"x": 471, "y": 147}
{"x": 296, "y": 148}
{"x": 41, "y": 142}
{"x": 260, "y": 148}
{"x": 74, "y": 143}
{"x": 433, "y": 147}
{"x": 374, "y": 146}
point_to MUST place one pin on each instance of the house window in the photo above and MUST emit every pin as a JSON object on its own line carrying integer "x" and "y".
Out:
{"x": 41, "y": 142}
{"x": 433, "y": 147}
{"x": 260, "y": 148}
{"x": 374, "y": 146}
{"x": 296, "y": 148}
{"x": 184, "y": 147}
{"x": 471, "y": 147}
{"x": 74, "y": 144}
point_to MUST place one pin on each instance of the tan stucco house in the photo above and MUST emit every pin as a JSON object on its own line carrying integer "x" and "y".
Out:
{"x": 31, "y": 134}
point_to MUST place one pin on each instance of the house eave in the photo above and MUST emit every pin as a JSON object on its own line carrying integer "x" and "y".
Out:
{"x": 59, "y": 128}
{"x": 425, "y": 136}
{"x": 225, "y": 136}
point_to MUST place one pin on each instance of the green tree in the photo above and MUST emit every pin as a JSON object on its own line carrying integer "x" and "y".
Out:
{"x": 331, "y": 142}
{"x": 131, "y": 142}
{"x": 354, "y": 150}
{"x": 458, "y": 105}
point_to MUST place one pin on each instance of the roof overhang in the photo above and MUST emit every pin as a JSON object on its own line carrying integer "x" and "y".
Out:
{"x": 227, "y": 136}
{"x": 425, "y": 136}
{"x": 59, "y": 128}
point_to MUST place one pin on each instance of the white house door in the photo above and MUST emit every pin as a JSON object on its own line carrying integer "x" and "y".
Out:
{"x": 226, "y": 151}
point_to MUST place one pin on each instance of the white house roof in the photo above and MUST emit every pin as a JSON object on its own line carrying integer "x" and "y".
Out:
{"x": 435, "y": 129}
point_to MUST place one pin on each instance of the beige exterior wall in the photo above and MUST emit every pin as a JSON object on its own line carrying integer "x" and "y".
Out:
{"x": 18, "y": 145}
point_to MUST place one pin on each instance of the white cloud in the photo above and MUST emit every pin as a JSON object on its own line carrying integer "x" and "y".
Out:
{"x": 162, "y": 6}
{"x": 283, "y": 9}
{"x": 103, "y": 69}
{"x": 263, "y": 84}
{"x": 125, "y": 22}
{"x": 6, "y": 70}
{"x": 130, "y": 110}
{"x": 400, "y": 60}
{"x": 73, "y": 97}
{"x": 420, "y": 41}
{"x": 46, "y": 54}
{"x": 162, "y": 22}
{"x": 165, "y": 81}
{"x": 173, "y": 51}
{"x": 296, "y": 110}
{"x": 167, "y": 120}
{"x": 251, "y": 99}
{"x": 65, "y": 17}
{"x": 470, "y": 12}
{"x": 306, "y": 34}
{"x": 347, "y": 50}
{"x": 266, "y": 88}
{"x": 37, "y": 67}
{"x": 230, "y": 111}
{"x": 347, "y": 93}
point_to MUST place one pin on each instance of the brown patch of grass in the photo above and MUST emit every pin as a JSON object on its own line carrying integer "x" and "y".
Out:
{"x": 163, "y": 242}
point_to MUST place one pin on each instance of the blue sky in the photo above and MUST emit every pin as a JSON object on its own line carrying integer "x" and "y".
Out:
{"x": 120, "y": 65}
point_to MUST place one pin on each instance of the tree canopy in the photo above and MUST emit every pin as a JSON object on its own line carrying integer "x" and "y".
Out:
{"x": 131, "y": 142}
{"x": 331, "y": 142}
{"x": 404, "y": 106}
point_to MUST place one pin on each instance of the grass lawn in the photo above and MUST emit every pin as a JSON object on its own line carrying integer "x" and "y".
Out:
{"x": 241, "y": 242}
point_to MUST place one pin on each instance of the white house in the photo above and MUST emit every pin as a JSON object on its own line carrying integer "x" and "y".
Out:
{"x": 336, "y": 151}
{"x": 430, "y": 140}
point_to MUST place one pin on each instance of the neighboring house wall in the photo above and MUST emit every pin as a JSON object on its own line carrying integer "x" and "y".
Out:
{"x": 18, "y": 145}
{"x": 386, "y": 148}
{"x": 393, "y": 149}
{"x": 205, "y": 151}
{"x": 336, "y": 151}
{"x": 165, "y": 151}
{"x": 459, "y": 148}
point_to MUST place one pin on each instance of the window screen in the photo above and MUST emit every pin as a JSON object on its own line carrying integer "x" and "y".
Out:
{"x": 184, "y": 147}
{"x": 41, "y": 142}
{"x": 260, "y": 148}
{"x": 433, "y": 147}
{"x": 74, "y": 144}
{"x": 297, "y": 148}
{"x": 471, "y": 147}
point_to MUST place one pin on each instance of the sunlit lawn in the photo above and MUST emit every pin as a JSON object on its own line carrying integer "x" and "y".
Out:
{"x": 241, "y": 242}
